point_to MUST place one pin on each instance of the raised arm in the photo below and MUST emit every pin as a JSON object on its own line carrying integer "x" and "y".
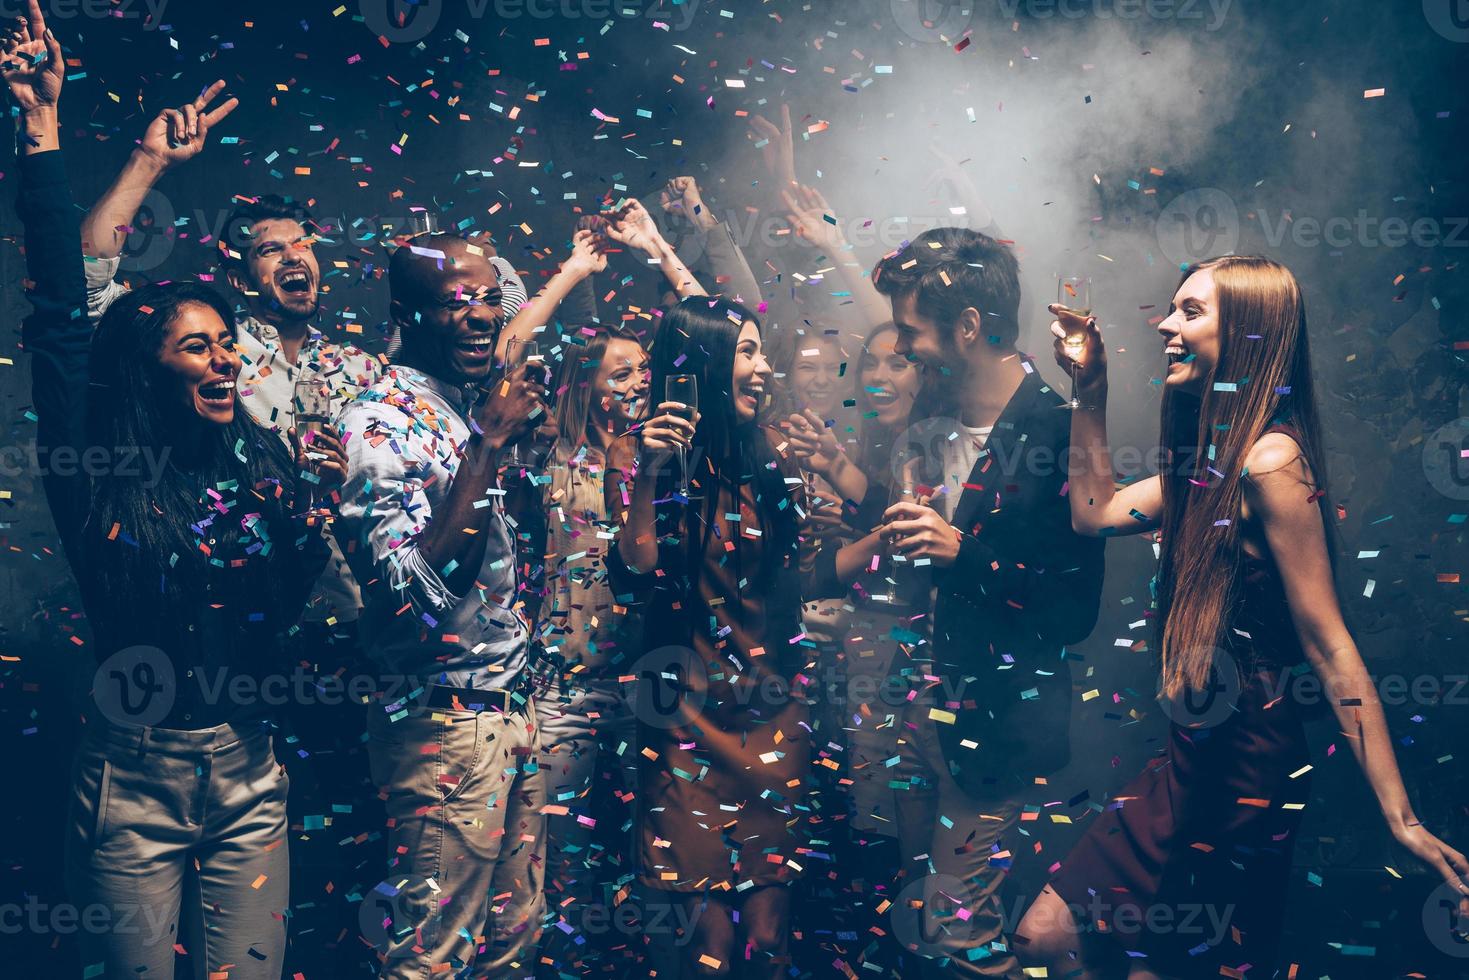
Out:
{"x": 633, "y": 226}
{"x": 586, "y": 258}
{"x": 174, "y": 137}
{"x": 56, "y": 334}
{"x": 727, "y": 264}
{"x": 1280, "y": 492}
{"x": 815, "y": 223}
{"x": 1098, "y": 508}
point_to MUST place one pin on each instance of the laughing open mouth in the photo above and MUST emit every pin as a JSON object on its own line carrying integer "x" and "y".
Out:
{"x": 295, "y": 281}
{"x": 217, "y": 391}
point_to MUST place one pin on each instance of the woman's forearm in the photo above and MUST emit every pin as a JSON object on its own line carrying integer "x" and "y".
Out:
{"x": 1358, "y": 710}
{"x": 638, "y": 540}
{"x": 538, "y": 311}
{"x": 1089, "y": 464}
{"x": 678, "y": 275}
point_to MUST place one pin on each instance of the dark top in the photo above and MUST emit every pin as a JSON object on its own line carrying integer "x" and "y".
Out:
{"x": 216, "y": 615}
{"x": 1024, "y": 585}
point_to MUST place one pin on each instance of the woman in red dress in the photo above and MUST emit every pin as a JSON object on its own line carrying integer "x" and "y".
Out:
{"x": 1188, "y": 864}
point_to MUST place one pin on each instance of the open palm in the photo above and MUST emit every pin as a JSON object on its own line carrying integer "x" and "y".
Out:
{"x": 32, "y": 63}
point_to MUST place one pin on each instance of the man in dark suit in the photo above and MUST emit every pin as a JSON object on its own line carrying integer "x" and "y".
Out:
{"x": 1012, "y": 585}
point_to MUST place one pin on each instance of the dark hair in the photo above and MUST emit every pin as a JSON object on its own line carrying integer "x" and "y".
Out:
{"x": 239, "y": 227}
{"x": 949, "y": 270}
{"x": 581, "y": 355}
{"x": 160, "y": 525}
{"x": 698, "y": 337}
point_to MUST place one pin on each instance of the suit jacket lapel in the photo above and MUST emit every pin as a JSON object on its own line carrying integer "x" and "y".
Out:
{"x": 997, "y": 449}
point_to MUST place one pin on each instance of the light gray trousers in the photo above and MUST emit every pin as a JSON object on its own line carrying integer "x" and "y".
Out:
{"x": 167, "y": 824}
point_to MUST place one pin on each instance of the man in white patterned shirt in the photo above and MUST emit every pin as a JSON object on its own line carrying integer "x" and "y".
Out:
{"x": 453, "y": 742}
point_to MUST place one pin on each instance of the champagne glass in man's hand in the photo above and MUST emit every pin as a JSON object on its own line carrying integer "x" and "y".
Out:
{"x": 511, "y": 406}
{"x": 522, "y": 358}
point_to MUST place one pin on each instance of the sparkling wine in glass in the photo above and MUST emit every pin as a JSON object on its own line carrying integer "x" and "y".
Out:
{"x": 311, "y": 412}
{"x": 684, "y": 390}
{"x": 1075, "y": 294}
{"x": 519, "y": 353}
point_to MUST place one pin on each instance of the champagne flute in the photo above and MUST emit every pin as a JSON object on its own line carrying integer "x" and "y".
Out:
{"x": 684, "y": 390}
{"x": 1075, "y": 294}
{"x": 519, "y": 353}
{"x": 311, "y": 412}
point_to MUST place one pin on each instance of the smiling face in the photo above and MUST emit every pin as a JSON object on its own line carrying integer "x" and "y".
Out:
{"x": 1191, "y": 333}
{"x": 620, "y": 387}
{"x": 751, "y": 373}
{"x": 199, "y": 364}
{"x": 281, "y": 280}
{"x": 889, "y": 382}
{"x": 453, "y": 329}
{"x": 815, "y": 374}
{"x": 919, "y": 337}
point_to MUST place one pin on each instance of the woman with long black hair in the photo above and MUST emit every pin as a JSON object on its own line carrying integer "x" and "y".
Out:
{"x": 724, "y": 761}
{"x": 188, "y": 575}
{"x": 1202, "y": 839}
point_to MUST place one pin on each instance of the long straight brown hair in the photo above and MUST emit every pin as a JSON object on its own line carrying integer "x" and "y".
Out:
{"x": 1263, "y": 377}
{"x": 581, "y": 356}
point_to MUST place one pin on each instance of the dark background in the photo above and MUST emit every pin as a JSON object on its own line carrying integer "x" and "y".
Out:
{"x": 1265, "y": 108}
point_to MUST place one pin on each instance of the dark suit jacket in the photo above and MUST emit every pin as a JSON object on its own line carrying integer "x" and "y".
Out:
{"x": 1023, "y": 586}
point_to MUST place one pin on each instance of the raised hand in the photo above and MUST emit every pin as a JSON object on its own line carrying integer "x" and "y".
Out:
{"x": 633, "y": 226}
{"x": 807, "y": 211}
{"x": 32, "y": 62}
{"x": 588, "y": 254}
{"x": 812, "y": 442}
{"x": 178, "y": 135}
{"x": 779, "y": 150}
{"x": 681, "y": 196}
{"x": 951, "y": 171}
{"x": 1085, "y": 356}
